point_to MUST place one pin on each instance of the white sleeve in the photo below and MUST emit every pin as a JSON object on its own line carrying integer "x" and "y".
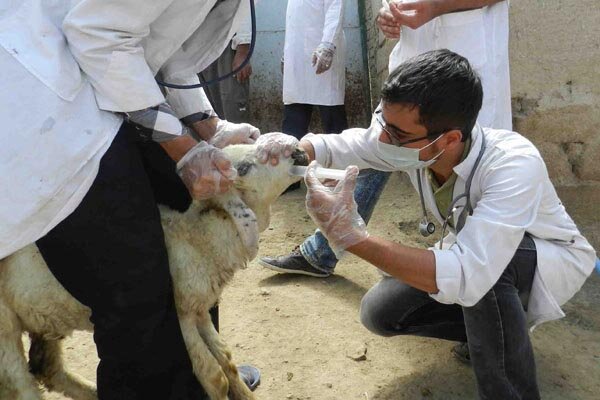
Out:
{"x": 351, "y": 147}
{"x": 334, "y": 20}
{"x": 243, "y": 34}
{"x": 190, "y": 105}
{"x": 105, "y": 38}
{"x": 484, "y": 247}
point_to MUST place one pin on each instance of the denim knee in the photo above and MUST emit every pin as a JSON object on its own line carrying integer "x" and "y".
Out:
{"x": 372, "y": 315}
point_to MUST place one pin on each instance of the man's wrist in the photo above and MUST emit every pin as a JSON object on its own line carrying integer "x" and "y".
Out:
{"x": 242, "y": 48}
{"x": 308, "y": 149}
{"x": 177, "y": 148}
{"x": 206, "y": 128}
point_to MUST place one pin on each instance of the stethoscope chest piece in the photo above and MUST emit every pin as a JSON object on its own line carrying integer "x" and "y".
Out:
{"x": 426, "y": 228}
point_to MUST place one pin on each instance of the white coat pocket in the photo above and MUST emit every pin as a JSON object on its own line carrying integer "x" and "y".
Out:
{"x": 463, "y": 33}
{"x": 39, "y": 45}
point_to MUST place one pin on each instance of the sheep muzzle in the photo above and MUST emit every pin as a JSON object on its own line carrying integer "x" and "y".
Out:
{"x": 300, "y": 157}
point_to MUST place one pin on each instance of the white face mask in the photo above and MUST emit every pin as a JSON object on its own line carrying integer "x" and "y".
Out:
{"x": 404, "y": 158}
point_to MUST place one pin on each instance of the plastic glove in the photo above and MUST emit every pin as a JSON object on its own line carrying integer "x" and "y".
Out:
{"x": 334, "y": 210}
{"x": 271, "y": 146}
{"x": 206, "y": 171}
{"x": 229, "y": 133}
{"x": 323, "y": 56}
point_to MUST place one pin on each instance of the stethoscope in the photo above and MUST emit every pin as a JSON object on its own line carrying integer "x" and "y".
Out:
{"x": 235, "y": 71}
{"x": 427, "y": 227}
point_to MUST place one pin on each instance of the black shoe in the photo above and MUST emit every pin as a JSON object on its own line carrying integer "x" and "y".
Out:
{"x": 293, "y": 263}
{"x": 292, "y": 187}
{"x": 461, "y": 353}
{"x": 250, "y": 375}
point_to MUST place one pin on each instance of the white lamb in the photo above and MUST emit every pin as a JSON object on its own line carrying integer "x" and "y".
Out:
{"x": 206, "y": 245}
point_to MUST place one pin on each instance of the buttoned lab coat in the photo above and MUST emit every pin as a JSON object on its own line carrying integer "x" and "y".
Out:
{"x": 308, "y": 23}
{"x": 511, "y": 194}
{"x": 66, "y": 68}
{"x": 481, "y": 36}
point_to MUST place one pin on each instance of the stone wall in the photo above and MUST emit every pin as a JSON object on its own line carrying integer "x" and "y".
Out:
{"x": 555, "y": 83}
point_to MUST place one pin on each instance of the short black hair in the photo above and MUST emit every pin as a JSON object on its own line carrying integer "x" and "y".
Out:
{"x": 443, "y": 85}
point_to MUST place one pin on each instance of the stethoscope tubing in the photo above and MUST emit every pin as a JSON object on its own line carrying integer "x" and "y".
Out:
{"x": 229, "y": 74}
{"x": 452, "y": 207}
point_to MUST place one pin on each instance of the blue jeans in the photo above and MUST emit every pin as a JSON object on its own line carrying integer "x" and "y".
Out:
{"x": 369, "y": 185}
{"x": 495, "y": 328}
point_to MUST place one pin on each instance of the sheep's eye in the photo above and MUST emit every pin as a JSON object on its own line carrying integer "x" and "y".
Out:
{"x": 244, "y": 167}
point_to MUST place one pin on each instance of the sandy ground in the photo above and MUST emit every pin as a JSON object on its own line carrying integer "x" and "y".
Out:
{"x": 304, "y": 333}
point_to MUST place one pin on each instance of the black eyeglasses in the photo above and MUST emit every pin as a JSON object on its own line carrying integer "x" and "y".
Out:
{"x": 397, "y": 137}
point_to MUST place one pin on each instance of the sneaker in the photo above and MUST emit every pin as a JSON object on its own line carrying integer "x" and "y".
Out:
{"x": 293, "y": 263}
{"x": 461, "y": 353}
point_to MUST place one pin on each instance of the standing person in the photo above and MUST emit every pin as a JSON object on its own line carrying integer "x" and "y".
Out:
{"x": 314, "y": 69}
{"x": 229, "y": 97}
{"x": 512, "y": 256}
{"x": 476, "y": 29}
{"x": 81, "y": 102}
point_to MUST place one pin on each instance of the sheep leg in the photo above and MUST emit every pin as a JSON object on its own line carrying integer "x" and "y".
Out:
{"x": 46, "y": 363}
{"x": 237, "y": 388}
{"x": 16, "y": 383}
{"x": 206, "y": 367}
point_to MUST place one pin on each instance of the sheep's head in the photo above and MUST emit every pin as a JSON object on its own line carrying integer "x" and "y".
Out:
{"x": 258, "y": 185}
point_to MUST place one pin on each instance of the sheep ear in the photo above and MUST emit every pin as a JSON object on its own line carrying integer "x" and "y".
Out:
{"x": 245, "y": 221}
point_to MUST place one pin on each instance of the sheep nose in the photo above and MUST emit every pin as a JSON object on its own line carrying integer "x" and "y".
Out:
{"x": 299, "y": 156}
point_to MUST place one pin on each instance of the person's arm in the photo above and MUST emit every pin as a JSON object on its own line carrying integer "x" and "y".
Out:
{"x": 415, "y": 267}
{"x": 241, "y": 45}
{"x": 241, "y": 53}
{"x": 416, "y": 13}
{"x": 449, "y": 6}
{"x": 463, "y": 273}
{"x": 356, "y": 146}
{"x": 335, "y": 212}
{"x": 192, "y": 106}
{"x": 334, "y": 20}
{"x": 322, "y": 57}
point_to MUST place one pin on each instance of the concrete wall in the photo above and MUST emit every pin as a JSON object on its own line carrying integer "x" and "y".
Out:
{"x": 555, "y": 82}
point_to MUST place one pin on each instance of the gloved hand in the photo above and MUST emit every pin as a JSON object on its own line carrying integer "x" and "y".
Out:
{"x": 271, "y": 146}
{"x": 229, "y": 133}
{"x": 334, "y": 210}
{"x": 206, "y": 171}
{"x": 323, "y": 56}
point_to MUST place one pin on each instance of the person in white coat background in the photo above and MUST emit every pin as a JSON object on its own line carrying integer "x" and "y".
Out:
{"x": 90, "y": 143}
{"x": 314, "y": 69}
{"x": 475, "y": 29}
{"x": 509, "y": 255}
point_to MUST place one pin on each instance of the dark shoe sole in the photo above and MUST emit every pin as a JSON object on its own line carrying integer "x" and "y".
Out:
{"x": 292, "y": 271}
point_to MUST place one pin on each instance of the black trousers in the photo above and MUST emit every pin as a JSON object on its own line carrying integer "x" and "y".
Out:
{"x": 296, "y": 119}
{"x": 110, "y": 255}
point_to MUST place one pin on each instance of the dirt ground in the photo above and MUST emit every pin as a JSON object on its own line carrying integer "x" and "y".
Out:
{"x": 305, "y": 335}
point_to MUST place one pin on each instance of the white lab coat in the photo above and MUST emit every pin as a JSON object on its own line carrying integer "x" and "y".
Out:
{"x": 511, "y": 194}
{"x": 479, "y": 35}
{"x": 308, "y": 23}
{"x": 66, "y": 67}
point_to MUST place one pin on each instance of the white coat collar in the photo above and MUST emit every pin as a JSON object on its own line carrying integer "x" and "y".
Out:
{"x": 464, "y": 168}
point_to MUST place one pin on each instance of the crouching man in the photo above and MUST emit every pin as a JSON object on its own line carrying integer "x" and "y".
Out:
{"x": 509, "y": 254}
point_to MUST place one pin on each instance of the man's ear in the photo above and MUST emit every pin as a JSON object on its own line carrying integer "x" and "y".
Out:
{"x": 453, "y": 137}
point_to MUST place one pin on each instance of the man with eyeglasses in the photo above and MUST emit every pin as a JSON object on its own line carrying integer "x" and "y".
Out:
{"x": 475, "y": 29}
{"x": 512, "y": 256}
